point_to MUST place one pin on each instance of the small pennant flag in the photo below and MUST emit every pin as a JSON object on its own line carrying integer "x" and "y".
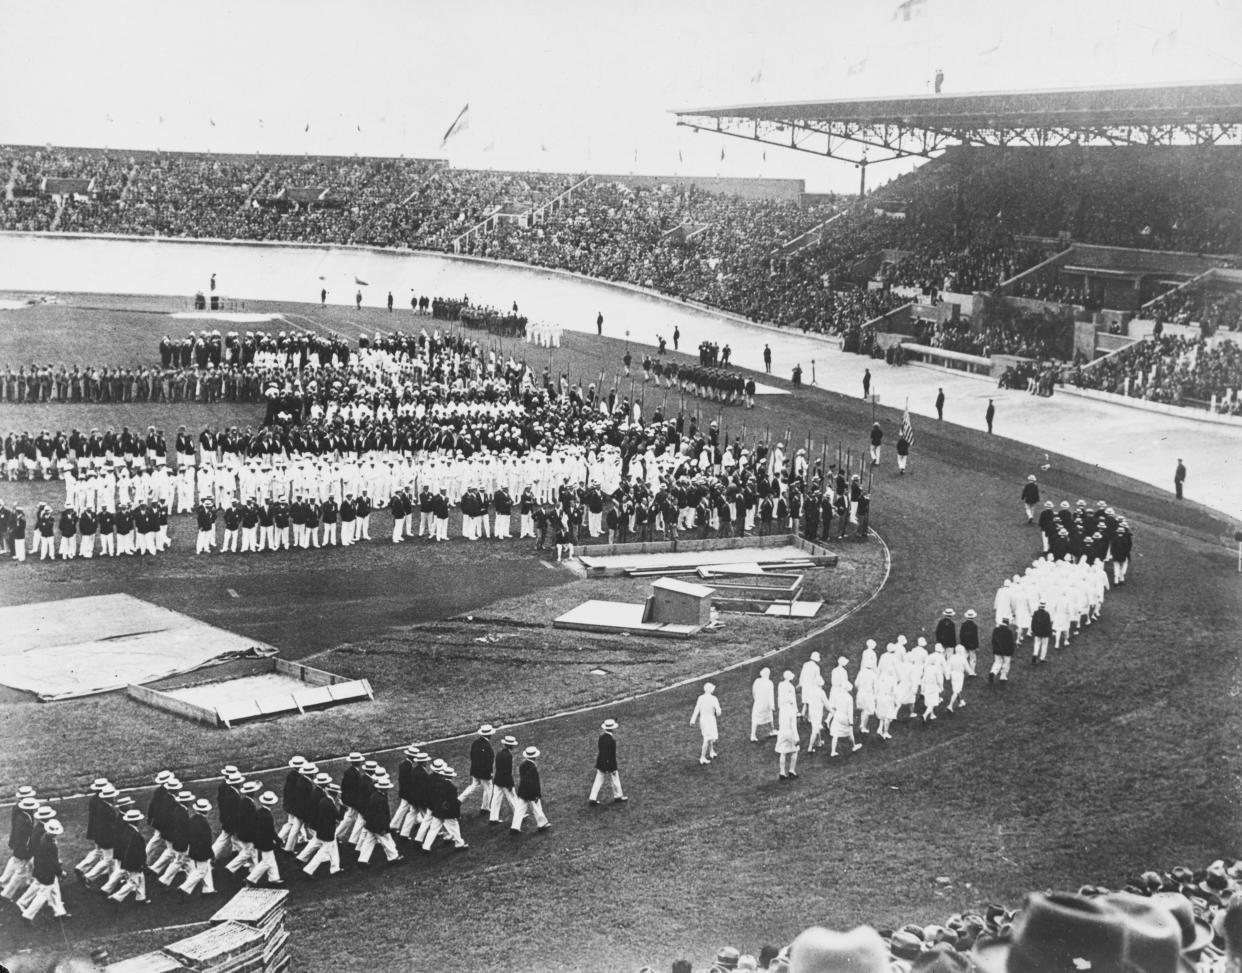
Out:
{"x": 307, "y": 129}
{"x": 757, "y": 76}
{"x": 459, "y": 123}
{"x": 857, "y": 68}
{"x": 490, "y": 146}
{"x": 360, "y": 282}
{"x": 212, "y": 122}
{"x": 722, "y": 153}
{"x": 907, "y": 430}
{"x": 679, "y": 157}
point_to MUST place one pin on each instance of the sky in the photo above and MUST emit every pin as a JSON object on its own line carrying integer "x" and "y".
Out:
{"x": 559, "y": 85}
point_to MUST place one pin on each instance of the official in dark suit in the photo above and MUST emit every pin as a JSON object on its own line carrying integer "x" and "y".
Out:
{"x": 606, "y": 765}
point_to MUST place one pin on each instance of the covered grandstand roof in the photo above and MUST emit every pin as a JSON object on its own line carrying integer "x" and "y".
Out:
{"x": 1200, "y": 113}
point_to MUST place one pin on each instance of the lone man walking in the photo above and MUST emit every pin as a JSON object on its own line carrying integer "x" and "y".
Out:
{"x": 940, "y": 404}
{"x": 990, "y": 414}
{"x": 599, "y": 323}
{"x": 606, "y": 765}
{"x": 767, "y": 359}
{"x": 1179, "y": 478}
{"x": 866, "y": 383}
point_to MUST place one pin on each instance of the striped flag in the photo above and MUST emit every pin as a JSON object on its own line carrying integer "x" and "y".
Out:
{"x": 460, "y": 122}
{"x": 907, "y": 430}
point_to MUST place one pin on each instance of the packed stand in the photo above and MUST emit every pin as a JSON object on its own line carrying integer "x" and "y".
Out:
{"x": 1211, "y": 312}
{"x": 1172, "y": 370}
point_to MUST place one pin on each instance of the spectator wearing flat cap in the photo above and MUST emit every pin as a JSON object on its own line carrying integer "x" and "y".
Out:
{"x": 529, "y": 794}
{"x": 606, "y": 765}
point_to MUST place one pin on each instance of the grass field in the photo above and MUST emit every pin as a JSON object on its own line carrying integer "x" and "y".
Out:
{"x": 1121, "y": 754}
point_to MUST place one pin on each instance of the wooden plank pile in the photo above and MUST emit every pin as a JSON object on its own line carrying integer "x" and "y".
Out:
{"x": 247, "y": 935}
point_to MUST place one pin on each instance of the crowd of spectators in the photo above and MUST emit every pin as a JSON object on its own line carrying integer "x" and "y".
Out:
{"x": 1209, "y": 311}
{"x": 1171, "y": 370}
{"x": 1189, "y": 921}
{"x": 1043, "y": 336}
{"x": 952, "y": 225}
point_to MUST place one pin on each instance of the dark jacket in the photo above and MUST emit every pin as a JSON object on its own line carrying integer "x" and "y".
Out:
{"x": 199, "y": 831}
{"x": 377, "y": 813}
{"x": 1002, "y": 640}
{"x": 1041, "y": 623}
{"x": 20, "y": 824}
{"x": 606, "y": 761}
{"x": 503, "y": 775}
{"x": 422, "y": 788}
{"x": 528, "y": 788}
{"x": 247, "y": 819}
{"x": 327, "y": 818}
{"x": 46, "y": 860}
{"x": 946, "y": 632}
{"x": 968, "y": 635}
{"x": 482, "y": 759}
{"x": 227, "y": 800}
{"x": 265, "y": 830}
{"x": 447, "y": 803}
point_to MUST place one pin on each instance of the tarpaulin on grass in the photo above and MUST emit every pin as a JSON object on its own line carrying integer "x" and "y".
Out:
{"x": 82, "y": 646}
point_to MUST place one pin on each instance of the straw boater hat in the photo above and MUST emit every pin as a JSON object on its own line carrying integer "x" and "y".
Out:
{"x": 296, "y": 762}
{"x": 949, "y": 613}
{"x": 132, "y": 815}
{"x": 269, "y": 799}
{"x": 202, "y": 805}
{"x": 98, "y": 784}
{"x": 509, "y": 741}
{"x": 530, "y": 753}
{"x": 54, "y": 828}
{"x": 608, "y": 726}
{"x": 251, "y": 787}
{"x": 486, "y": 730}
{"x": 308, "y": 769}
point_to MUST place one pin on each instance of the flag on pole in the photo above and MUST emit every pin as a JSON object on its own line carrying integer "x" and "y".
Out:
{"x": 722, "y": 153}
{"x": 459, "y": 123}
{"x": 907, "y": 430}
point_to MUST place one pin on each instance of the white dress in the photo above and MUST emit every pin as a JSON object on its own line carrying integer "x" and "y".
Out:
{"x": 957, "y": 671}
{"x": 865, "y": 690}
{"x": 933, "y": 681}
{"x": 705, "y": 712}
{"x": 787, "y": 730}
{"x": 763, "y": 702}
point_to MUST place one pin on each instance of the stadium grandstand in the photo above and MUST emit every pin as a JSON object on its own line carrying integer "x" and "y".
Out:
{"x": 1076, "y": 213}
